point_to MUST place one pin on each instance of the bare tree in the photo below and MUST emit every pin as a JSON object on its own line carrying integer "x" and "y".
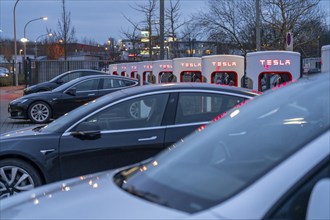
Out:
{"x": 66, "y": 32}
{"x": 226, "y": 19}
{"x": 234, "y": 22}
{"x": 148, "y": 23}
{"x": 174, "y": 23}
{"x": 6, "y": 49}
{"x": 303, "y": 18}
{"x": 133, "y": 36}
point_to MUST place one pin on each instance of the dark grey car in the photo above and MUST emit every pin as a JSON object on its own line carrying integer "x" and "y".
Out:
{"x": 44, "y": 106}
{"x": 115, "y": 130}
{"x": 59, "y": 80}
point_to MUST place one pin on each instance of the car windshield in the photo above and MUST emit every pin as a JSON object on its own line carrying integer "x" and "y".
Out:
{"x": 59, "y": 76}
{"x": 212, "y": 165}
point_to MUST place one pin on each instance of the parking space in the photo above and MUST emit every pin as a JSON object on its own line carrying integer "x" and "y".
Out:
{"x": 8, "y": 94}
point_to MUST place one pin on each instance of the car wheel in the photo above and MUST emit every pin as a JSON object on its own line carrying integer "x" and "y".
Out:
{"x": 39, "y": 112}
{"x": 17, "y": 176}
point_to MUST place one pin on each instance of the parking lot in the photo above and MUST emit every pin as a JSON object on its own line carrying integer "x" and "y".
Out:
{"x": 6, "y": 95}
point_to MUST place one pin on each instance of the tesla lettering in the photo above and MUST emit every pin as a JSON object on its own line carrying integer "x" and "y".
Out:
{"x": 165, "y": 66}
{"x": 275, "y": 62}
{"x": 224, "y": 63}
{"x": 191, "y": 64}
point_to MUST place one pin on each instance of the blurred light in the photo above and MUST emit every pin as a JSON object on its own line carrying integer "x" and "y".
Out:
{"x": 202, "y": 127}
{"x": 143, "y": 168}
{"x": 294, "y": 121}
{"x": 24, "y": 40}
{"x": 155, "y": 163}
{"x": 234, "y": 113}
{"x": 95, "y": 185}
{"x": 36, "y": 201}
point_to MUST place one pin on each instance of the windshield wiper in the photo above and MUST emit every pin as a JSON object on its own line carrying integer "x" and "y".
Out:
{"x": 146, "y": 195}
{"x": 38, "y": 128}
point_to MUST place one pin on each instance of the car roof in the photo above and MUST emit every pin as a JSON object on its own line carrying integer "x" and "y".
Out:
{"x": 185, "y": 86}
{"x": 74, "y": 81}
{"x": 78, "y": 70}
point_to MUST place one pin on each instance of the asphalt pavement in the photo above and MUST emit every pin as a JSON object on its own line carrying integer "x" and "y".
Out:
{"x": 8, "y": 94}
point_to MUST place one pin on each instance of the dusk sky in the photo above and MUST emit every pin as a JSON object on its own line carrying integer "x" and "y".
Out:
{"x": 92, "y": 19}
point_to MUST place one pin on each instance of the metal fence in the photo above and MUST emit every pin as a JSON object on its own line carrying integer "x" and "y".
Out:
{"x": 41, "y": 71}
{"x": 32, "y": 72}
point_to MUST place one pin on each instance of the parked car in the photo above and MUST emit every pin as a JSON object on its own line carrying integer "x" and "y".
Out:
{"x": 115, "y": 130}
{"x": 42, "y": 107}
{"x": 268, "y": 159}
{"x": 59, "y": 80}
{"x": 4, "y": 72}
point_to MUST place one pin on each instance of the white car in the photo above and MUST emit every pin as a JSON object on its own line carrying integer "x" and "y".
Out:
{"x": 267, "y": 159}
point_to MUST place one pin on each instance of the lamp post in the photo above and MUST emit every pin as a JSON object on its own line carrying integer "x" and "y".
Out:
{"x": 36, "y": 42}
{"x": 24, "y": 39}
{"x": 15, "y": 45}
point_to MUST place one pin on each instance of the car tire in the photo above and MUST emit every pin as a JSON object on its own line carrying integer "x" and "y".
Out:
{"x": 17, "y": 176}
{"x": 39, "y": 112}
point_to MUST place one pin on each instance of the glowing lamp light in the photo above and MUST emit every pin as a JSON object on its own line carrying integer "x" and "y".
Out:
{"x": 24, "y": 40}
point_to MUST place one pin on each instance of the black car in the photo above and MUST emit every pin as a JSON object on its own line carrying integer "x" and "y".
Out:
{"x": 59, "y": 80}
{"x": 114, "y": 130}
{"x": 41, "y": 107}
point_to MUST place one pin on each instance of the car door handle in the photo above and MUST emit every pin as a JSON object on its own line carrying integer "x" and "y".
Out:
{"x": 90, "y": 94}
{"x": 148, "y": 139}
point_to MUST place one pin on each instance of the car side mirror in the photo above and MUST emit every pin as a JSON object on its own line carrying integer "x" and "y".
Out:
{"x": 319, "y": 201}
{"x": 71, "y": 91}
{"x": 87, "y": 131}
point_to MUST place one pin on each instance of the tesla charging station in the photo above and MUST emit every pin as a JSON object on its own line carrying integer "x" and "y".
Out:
{"x": 223, "y": 69}
{"x": 267, "y": 69}
{"x": 145, "y": 72}
{"x": 163, "y": 70}
{"x": 113, "y": 69}
{"x": 131, "y": 70}
{"x": 122, "y": 69}
{"x": 325, "y": 58}
{"x": 187, "y": 69}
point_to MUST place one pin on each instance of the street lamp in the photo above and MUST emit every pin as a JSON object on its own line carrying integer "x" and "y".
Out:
{"x": 36, "y": 42}
{"x": 24, "y": 39}
{"x": 15, "y": 45}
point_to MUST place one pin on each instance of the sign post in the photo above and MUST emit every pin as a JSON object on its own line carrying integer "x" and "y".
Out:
{"x": 289, "y": 41}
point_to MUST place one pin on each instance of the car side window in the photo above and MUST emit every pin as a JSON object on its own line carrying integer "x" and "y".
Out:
{"x": 146, "y": 111}
{"x": 294, "y": 206}
{"x": 70, "y": 76}
{"x": 199, "y": 107}
{"x": 91, "y": 84}
{"x": 112, "y": 83}
{"x": 128, "y": 83}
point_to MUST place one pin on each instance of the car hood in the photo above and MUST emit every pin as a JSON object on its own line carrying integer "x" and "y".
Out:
{"x": 23, "y": 132}
{"x": 33, "y": 95}
{"x": 86, "y": 197}
{"x": 42, "y": 84}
